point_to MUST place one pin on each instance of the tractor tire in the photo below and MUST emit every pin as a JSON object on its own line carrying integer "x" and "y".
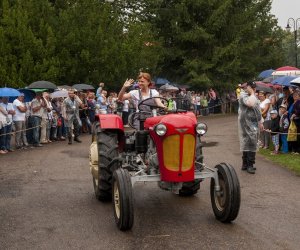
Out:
{"x": 95, "y": 130}
{"x": 122, "y": 199}
{"x": 226, "y": 205}
{"x": 107, "y": 144}
{"x": 192, "y": 187}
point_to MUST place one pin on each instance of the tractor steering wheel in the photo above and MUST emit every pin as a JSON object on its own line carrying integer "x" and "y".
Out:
{"x": 150, "y": 104}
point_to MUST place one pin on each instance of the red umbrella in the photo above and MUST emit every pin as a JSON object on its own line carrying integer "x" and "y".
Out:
{"x": 286, "y": 68}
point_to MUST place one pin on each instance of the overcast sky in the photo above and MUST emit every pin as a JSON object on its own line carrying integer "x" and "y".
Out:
{"x": 284, "y": 9}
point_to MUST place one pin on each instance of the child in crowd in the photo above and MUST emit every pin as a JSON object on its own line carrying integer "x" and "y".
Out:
{"x": 274, "y": 129}
{"x": 284, "y": 127}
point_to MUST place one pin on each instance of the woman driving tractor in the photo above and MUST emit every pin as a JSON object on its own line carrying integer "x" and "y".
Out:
{"x": 144, "y": 92}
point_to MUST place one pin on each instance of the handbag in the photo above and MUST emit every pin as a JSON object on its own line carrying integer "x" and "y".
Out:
{"x": 292, "y": 132}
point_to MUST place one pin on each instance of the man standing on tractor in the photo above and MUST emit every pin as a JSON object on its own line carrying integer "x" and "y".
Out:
{"x": 250, "y": 124}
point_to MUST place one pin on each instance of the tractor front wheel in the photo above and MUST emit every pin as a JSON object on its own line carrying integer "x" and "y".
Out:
{"x": 226, "y": 202}
{"x": 122, "y": 199}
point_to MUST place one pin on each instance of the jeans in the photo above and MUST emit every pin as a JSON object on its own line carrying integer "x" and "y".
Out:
{"x": 36, "y": 123}
{"x": 284, "y": 148}
{"x": 5, "y": 137}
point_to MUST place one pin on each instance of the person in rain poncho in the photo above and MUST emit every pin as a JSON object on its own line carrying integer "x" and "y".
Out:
{"x": 250, "y": 124}
{"x": 70, "y": 113}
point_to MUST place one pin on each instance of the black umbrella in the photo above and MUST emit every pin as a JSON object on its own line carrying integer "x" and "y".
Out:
{"x": 42, "y": 85}
{"x": 83, "y": 86}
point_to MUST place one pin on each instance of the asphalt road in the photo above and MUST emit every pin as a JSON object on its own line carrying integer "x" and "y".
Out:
{"x": 47, "y": 202}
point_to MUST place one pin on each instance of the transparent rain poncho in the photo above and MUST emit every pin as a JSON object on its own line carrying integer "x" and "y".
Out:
{"x": 248, "y": 122}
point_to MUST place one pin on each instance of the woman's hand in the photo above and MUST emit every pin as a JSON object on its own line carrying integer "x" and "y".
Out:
{"x": 128, "y": 83}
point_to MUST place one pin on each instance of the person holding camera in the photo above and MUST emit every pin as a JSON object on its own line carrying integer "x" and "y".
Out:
{"x": 250, "y": 124}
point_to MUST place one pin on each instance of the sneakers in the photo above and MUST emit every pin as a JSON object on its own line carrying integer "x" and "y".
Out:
{"x": 38, "y": 145}
{"x": 251, "y": 170}
{"x": 3, "y": 152}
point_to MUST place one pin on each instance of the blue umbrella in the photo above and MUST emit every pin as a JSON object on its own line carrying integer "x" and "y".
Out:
{"x": 284, "y": 80}
{"x": 28, "y": 95}
{"x": 161, "y": 81}
{"x": 266, "y": 73}
{"x": 9, "y": 92}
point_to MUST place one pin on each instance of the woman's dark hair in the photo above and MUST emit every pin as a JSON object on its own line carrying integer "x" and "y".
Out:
{"x": 252, "y": 84}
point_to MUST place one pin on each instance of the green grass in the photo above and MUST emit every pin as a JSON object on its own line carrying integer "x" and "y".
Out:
{"x": 289, "y": 160}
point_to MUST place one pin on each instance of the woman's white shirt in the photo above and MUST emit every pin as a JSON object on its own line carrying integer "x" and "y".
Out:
{"x": 135, "y": 95}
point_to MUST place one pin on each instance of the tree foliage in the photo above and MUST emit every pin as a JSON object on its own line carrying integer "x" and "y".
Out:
{"x": 198, "y": 42}
{"x": 214, "y": 42}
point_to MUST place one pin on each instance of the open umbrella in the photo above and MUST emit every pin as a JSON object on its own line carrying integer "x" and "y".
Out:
{"x": 59, "y": 93}
{"x": 284, "y": 80}
{"x": 269, "y": 79}
{"x": 161, "y": 81}
{"x": 261, "y": 86}
{"x": 29, "y": 94}
{"x": 67, "y": 87}
{"x": 286, "y": 68}
{"x": 42, "y": 85}
{"x": 266, "y": 73}
{"x": 83, "y": 86}
{"x": 286, "y": 71}
{"x": 9, "y": 92}
{"x": 296, "y": 81}
{"x": 168, "y": 87}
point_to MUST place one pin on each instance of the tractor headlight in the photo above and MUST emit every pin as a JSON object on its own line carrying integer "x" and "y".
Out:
{"x": 201, "y": 128}
{"x": 160, "y": 129}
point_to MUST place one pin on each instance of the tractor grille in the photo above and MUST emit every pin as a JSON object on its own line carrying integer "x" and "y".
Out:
{"x": 188, "y": 154}
{"x": 172, "y": 149}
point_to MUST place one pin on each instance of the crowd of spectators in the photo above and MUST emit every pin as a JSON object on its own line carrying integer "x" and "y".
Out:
{"x": 41, "y": 121}
{"x": 279, "y": 110}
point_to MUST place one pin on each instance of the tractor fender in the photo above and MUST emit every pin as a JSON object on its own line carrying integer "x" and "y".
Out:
{"x": 110, "y": 121}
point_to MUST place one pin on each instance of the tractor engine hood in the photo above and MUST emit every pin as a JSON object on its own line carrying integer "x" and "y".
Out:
{"x": 176, "y": 148}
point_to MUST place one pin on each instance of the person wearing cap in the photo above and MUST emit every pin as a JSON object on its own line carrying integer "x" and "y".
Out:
{"x": 284, "y": 124}
{"x": 250, "y": 124}
{"x": 274, "y": 129}
{"x": 19, "y": 119}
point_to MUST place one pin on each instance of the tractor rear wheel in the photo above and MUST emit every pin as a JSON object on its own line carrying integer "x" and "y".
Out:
{"x": 192, "y": 187}
{"x": 107, "y": 144}
{"x": 226, "y": 203}
{"x": 122, "y": 199}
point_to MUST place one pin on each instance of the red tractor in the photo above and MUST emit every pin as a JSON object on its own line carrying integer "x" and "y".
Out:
{"x": 166, "y": 149}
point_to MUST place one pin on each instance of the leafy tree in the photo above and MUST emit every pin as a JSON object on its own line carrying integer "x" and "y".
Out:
{"x": 212, "y": 42}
